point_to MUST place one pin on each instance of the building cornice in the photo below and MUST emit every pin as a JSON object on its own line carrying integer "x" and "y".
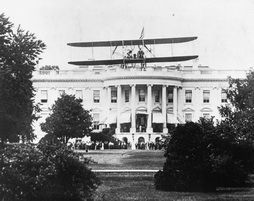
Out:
{"x": 143, "y": 77}
{"x": 134, "y": 78}
{"x": 67, "y": 80}
{"x": 206, "y": 80}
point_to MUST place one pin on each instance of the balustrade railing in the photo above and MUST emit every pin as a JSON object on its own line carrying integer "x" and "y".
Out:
{"x": 149, "y": 70}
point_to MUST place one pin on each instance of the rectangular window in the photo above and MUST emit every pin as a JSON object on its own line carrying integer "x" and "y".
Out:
{"x": 113, "y": 96}
{"x": 170, "y": 96}
{"x": 206, "y": 96}
{"x": 96, "y": 120}
{"x": 188, "y": 96}
{"x": 188, "y": 117}
{"x": 157, "y": 96}
{"x": 79, "y": 94}
{"x": 224, "y": 96}
{"x": 44, "y": 96}
{"x": 96, "y": 96}
{"x": 127, "y": 96}
{"x": 61, "y": 92}
{"x": 141, "y": 95}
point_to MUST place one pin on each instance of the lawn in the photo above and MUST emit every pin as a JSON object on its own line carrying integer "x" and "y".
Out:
{"x": 125, "y": 159}
{"x": 128, "y": 186}
{"x": 141, "y": 189}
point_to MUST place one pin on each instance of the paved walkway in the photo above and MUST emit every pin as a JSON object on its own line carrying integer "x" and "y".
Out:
{"x": 126, "y": 171}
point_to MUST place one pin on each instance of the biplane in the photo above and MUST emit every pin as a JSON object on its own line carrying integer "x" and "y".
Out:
{"x": 133, "y": 59}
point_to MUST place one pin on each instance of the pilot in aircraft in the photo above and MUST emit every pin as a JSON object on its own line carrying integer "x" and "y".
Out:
{"x": 141, "y": 56}
{"x": 140, "y": 53}
{"x": 129, "y": 54}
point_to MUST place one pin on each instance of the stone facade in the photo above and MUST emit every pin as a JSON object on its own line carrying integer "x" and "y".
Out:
{"x": 141, "y": 105}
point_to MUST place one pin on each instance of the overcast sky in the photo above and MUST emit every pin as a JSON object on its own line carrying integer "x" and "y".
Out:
{"x": 225, "y": 28}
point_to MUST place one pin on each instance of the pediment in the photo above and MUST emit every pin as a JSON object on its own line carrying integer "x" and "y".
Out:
{"x": 157, "y": 109}
{"x": 206, "y": 109}
{"x": 96, "y": 110}
{"x": 188, "y": 110}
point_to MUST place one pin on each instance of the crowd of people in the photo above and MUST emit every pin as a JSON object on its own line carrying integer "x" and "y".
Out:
{"x": 149, "y": 145}
{"x": 80, "y": 145}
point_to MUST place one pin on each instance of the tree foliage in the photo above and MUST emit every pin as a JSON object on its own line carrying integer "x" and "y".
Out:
{"x": 202, "y": 156}
{"x": 239, "y": 114}
{"x": 19, "y": 51}
{"x": 238, "y": 117}
{"x": 68, "y": 119}
{"x": 28, "y": 173}
{"x": 224, "y": 152}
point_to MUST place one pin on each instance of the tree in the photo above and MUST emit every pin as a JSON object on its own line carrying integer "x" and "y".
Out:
{"x": 239, "y": 114}
{"x": 68, "y": 119}
{"x": 228, "y": 146}
{"x": 19, "y": 53}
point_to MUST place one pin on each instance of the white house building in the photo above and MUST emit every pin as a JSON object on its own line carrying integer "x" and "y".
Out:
{"x": 136, "y": 96}
{"x": 140, "y": 105}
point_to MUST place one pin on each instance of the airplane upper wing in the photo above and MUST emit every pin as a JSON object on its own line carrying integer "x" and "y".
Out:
{"x": 132, "y": 42}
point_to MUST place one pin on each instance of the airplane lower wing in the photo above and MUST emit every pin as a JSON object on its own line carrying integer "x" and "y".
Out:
{"x": 130, "y": 61}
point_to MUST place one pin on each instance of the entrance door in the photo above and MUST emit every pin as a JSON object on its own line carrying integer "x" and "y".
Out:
{"x": 141, "y": 143}
{"x": 141, "y": 122}
{"x": 141, "y": 139}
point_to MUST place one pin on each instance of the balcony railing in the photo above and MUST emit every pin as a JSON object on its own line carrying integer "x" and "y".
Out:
{"x": 111, "y": 71}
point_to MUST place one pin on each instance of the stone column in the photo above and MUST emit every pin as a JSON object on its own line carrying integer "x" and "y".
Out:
{"x": 108, "y": 104}
{"x": 149, "y": 109}
{"x": 175, "y": 101}
{"x": 164, "y": 108}
{"x": 133, "y": 108}
{"x": 119, "y": 101}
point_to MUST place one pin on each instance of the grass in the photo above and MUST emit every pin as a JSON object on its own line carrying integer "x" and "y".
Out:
{"x": 126, "y": 159}
{"x": 125, "y": 186}
{"x": 141, "y": 189}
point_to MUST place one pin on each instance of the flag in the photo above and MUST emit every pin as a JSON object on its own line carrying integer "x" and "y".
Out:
{"x": 142, "y": 34}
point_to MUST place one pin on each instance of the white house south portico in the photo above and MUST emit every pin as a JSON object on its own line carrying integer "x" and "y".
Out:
{"x": 141, "y": 110}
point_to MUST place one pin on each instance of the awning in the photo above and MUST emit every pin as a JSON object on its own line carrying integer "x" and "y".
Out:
{"x": 125, "y": 118}
{"x": 111, "y": 119}
{"x": 158, "y": 118}
{"x": 171, "y": 119}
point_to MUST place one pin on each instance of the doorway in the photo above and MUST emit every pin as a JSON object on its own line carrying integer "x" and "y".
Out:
{"x": 141, "y": 120}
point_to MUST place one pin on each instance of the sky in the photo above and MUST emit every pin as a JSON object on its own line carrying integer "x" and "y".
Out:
{"x": 225, "y": 28}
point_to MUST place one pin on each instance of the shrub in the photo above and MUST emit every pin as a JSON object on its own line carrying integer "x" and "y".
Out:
{"x": 200, "y": 157}
{"x": 27, "y": 173}
{"x": 187, "y": 167}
